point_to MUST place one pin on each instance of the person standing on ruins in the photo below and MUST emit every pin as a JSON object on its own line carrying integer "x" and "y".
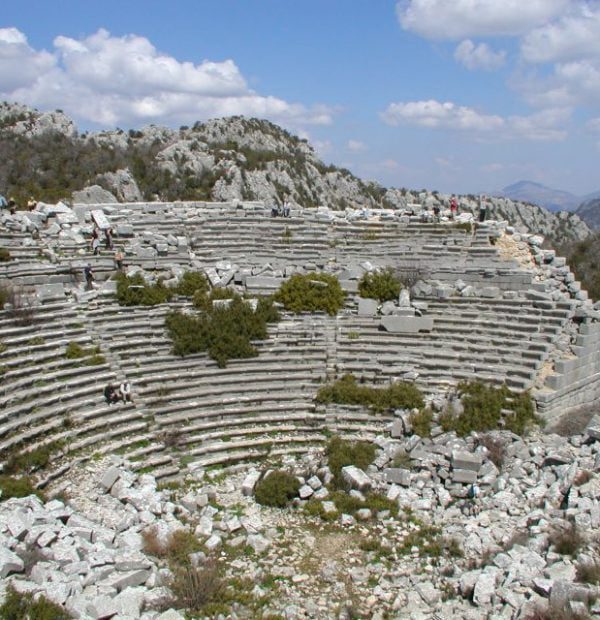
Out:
{"x": 482, "y": 208}
{"x": 453, "y": 207}
{"x": 89, "y": 277}
{"x": 119, "y": 259}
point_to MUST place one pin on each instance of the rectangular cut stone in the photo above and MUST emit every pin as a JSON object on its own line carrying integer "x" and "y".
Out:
{"x": 250, "y": 482}
{"x": 356, "y": 478}
{"x": 397, "y": 475}
{"x": 100, "y": 219}
{"x": 465, "y": 476}
{"x": 466, "y": 460}
{"x": 263, "y": 282}
{"x": 367, "y": 307}
{"x": 407, "y": 324}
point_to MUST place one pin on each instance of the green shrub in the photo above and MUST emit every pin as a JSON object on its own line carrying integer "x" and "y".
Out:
{"x": 135, "y": 291}
{"x": 4, "y": 255}
{"x": 74, "y": 351}
{"x": 192, "y": 283}
{"x": 24, "y": 607}
{"x": 383, "y": 285}
{"x": 341, "y": 453}
{"x": 466, "y": 226}
{"x": 31, "y": 461}
{"x": 376, "y": 502}
{"x": 311, "y": 292}
{"x": 277, "y": 489}
{"x": 486, "y": 407}
{"x": 22, "y": 486}
{"x": 346, "y": 391}
{"x": 204, "y": 301}
{"x": 4, "y": 296}
{"x": 225, "y": 332}
{"x": 421, "y": 422}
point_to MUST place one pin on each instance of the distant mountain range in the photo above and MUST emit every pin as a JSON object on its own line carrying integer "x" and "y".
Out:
{"x": 587, "y": 207}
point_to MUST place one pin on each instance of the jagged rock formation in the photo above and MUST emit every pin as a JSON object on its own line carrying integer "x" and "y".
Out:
{"x": 221, "y": 160}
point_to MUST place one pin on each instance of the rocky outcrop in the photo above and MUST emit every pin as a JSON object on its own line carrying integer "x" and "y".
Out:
{"x": 94, "y": 194}
{"x": 122, "y": 185}
{"x": 244, "y": 159}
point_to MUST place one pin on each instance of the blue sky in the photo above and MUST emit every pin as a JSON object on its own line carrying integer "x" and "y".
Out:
{"x": 454, "y": 95}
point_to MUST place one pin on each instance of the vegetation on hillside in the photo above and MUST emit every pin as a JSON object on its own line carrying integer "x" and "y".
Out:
{"x": 584, "y": 259}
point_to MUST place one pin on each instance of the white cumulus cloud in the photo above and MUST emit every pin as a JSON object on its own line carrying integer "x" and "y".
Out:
{"x": 458, "y": 19}
{"x": 21, "y": 65}
{"x": 574, "y": 36}
{"x": 546, "y": 124}
{"x": 478, "y": 56}
{"x": 125, "y": 80}
{"x": 436, "y": 114}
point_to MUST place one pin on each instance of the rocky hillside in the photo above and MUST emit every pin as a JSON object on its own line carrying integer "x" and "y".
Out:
{"x": 42, "y": 154}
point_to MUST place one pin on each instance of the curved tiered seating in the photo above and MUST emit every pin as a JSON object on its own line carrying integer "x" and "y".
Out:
{"x": 187, "y": 412}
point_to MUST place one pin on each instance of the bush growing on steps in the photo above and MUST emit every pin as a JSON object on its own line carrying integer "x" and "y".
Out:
{"x": 225, "y": 332}
{"x": 486, "y": 407}
{"x": 346, "y": 391}
{"x": 4, "y": 255}
{"x": 383, "y": 285}
{"x": 311, "y": 292}
{"x": 135, "y": 291}
{"x": 22, "y": 486}
{"x": 277, "y": 489}
{"x": 341, "y": 453}
{"x": 203, "y": 300}
{"x": 192, "y": 283}
{"x": 18, "y": 606}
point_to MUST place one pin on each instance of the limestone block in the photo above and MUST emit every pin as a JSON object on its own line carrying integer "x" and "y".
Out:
{"x": 109, "y": 477}
{"x": 213, "y": 542}
{"x": 464, "y": 476}
{"x": 314, "y": 482}
{"x": 407, "y": 325}
{"x": 305, "y": 491}
{"x": 250, "y": 482}
{"x": 466, "y": 460}
{"x": 356, "y": 478}
{"x": 367, "y": 307}
{"x": 258, "y": 542}
{"x": 388, "y": 308}
{"x": 397, "y": 475}
{"x": 102, "y": 608}
{"x": 9, "y": 562}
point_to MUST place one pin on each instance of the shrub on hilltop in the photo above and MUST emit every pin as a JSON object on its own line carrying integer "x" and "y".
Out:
{"x": 584, "y": 258}
{"x": 347, "y": 391}
{"x": 18, "y": 606}
{"x": 311, "y": 292}
{"x": 383, "y": 285}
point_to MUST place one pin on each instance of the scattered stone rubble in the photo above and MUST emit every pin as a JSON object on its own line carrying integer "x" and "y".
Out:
{"x": 87, "y": 553}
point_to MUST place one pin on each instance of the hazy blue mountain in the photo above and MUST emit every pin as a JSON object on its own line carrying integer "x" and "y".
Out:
{"x": 536, "y": 193}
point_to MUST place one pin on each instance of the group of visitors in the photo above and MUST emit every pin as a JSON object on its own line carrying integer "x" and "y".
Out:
{"x": 108, "y": 239}
{"x": 278, "y": 210}
{"x": 113, "y": 394}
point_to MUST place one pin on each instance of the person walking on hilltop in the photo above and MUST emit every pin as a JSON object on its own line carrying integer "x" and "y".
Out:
{"x": 453, "y": 207}
{"x": 482, "y": 208}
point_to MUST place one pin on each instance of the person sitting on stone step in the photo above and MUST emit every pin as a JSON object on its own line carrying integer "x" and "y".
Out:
{"x": 110, "y": 394}
{"x": 125, "y": 392}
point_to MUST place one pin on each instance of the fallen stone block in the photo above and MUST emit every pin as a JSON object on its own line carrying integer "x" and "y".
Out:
{"x": 109, "y": 477}
{"x": 466, "y": 460}
{"x": 396, "y": 475}
{"x": 356, "y": 478}
{"x": 9, "y": 563}
{"x": 367, "y": 307}
{"x": 250, "y": 482}
{"x": 464, "y": 476}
